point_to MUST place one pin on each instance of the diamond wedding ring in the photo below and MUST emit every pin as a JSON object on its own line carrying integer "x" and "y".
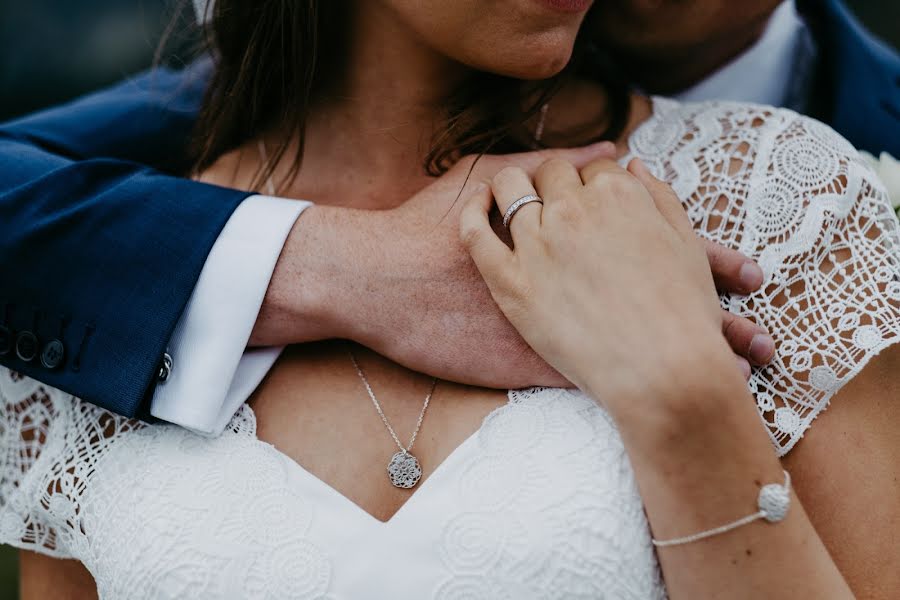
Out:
{"x": 515, "y": 206}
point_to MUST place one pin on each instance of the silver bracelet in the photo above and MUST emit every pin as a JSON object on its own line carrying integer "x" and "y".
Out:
{"x": 773, "y": 503}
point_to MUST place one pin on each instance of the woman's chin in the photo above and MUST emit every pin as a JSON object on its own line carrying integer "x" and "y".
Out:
{"x": 543, "y": 70}
{"x": 528, "y": 65}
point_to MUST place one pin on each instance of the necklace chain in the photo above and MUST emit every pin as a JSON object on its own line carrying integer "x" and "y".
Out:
{"x": 381, "y": 414}
{"x": 539, "y": 130}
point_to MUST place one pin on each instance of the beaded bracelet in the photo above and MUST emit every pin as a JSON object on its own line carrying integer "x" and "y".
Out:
{"x": 773, "y": 503}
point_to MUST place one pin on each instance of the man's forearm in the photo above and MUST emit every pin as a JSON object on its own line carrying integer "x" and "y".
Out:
{"x": 322, "y": 268}
{"x": 400, "y": 285}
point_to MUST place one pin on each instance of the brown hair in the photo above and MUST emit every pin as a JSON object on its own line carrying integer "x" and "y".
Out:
{"x": 273, "y": 57}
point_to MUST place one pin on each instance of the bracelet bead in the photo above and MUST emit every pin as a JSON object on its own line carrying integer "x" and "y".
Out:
{"x": 775, "y": 500}
{"x": 773, "y": 503}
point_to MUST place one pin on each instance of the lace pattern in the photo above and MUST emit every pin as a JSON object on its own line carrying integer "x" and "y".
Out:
{"x": 792, "y": 194}
{"x": 51, "y": 444}
{"x": 113, "y": 493}
{"x": 203, "y": 518}
{"x": 537, "y": 520}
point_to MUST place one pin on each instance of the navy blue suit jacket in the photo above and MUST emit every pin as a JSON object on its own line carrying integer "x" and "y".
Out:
{"x": 98, "y": 250}
{"x": 857, "y": 88}
{"x": 102, "y": 245}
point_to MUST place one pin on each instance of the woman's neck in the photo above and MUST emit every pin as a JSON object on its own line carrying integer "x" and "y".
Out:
{"x": 370, "y": 129}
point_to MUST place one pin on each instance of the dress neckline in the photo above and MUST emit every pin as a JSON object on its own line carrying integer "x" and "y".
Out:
{"x": 456, "y": 455}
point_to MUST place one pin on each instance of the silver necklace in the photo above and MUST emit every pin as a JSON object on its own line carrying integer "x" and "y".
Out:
{"x": 404, "y": 469}
{"x": 539, "y": 130}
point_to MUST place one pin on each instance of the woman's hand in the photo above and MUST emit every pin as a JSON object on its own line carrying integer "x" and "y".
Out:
{"x": 609, "y": 284}
{"x": 606, "y": 281}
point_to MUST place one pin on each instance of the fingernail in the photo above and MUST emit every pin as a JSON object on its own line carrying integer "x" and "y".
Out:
{"x": 744, "y": 366}
{"x": 762, "y": 347}
{"x": 751, "y": 276}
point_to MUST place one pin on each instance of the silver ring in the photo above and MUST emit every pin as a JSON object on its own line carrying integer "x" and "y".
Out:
{"x": 515, "y": 206}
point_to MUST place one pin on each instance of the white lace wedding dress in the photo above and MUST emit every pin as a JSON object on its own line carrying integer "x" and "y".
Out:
{"x": 541, "y": 501}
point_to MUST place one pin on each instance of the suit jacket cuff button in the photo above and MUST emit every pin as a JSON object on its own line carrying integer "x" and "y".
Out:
{"x": 53, "y": 355}
{"x": 27, "y": 346}
{"x": 165, "y": 369}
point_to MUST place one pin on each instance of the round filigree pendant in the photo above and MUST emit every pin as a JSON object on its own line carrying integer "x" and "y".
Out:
{"x": 404, "y": 470}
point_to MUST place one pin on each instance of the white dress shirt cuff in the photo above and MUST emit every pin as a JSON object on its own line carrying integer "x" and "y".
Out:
{"x": 209, "y": 342}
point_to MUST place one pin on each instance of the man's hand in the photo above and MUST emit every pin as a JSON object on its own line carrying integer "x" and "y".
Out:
{"x": 400, "y": 282}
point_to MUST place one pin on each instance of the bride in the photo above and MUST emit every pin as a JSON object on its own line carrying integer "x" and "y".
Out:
{"x": 541, "y": 493}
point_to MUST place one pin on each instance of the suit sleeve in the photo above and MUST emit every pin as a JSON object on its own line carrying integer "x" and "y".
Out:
{"x": 100, "y": 253}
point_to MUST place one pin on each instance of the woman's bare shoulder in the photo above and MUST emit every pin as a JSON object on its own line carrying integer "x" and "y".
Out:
{"x": 845, "y": 473}
{"x": 42, "y": 577}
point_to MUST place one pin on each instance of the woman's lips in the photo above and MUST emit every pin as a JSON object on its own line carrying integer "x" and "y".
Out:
{"x": 568, "y": 5}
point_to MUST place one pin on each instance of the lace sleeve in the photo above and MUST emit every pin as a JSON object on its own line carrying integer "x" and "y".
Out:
{"x": 791, "y": 193}
{"x": 821, "y": 225}
{"x": 51, "y": 443}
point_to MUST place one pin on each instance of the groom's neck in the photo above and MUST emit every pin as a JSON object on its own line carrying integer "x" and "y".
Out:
{"x": 668, "y": 47}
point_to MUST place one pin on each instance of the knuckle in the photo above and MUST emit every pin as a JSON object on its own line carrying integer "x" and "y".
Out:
{"x": 599, "y": 168}
{"x": 508, "y": 175}
{"x": 721, "y": 262}
{"x": 594, "y": 177}
{"x": 616, "y": 183}
{"x": 714, "y": 254}
{"x": 590, "y": 172}
{"x": 729, "y": 321}
{"x": 617, "y": 192}
{"x": 469, "y": 235}
{"x": 564, "y": 211}
{"x": 552, "y": 165}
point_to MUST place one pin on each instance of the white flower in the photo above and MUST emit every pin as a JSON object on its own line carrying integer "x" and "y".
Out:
{"x": 888, "y": 170}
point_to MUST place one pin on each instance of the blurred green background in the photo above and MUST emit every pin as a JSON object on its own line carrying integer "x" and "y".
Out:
{"x": 54, "y": 50}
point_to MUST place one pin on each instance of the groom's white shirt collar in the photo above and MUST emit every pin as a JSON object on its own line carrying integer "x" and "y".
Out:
{"x": 772, "y": 71}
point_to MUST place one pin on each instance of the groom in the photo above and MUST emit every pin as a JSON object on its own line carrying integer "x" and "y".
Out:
{"x": 139, "y": 291}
